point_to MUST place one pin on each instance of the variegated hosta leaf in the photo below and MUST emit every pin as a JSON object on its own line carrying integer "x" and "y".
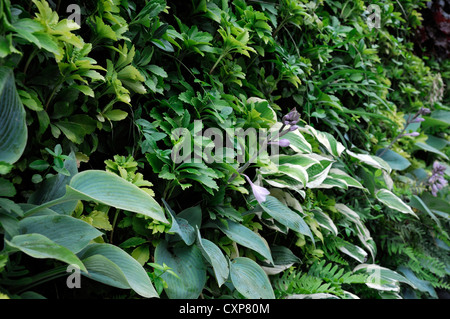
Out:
{"x": 382, "y": 278}
{"x": 371, "y": 160}
{"x": 339, "y": 178}
{"x": 363, "y": 233}
{"x": 326, "y": 139}
{"x": 391, "y": 200}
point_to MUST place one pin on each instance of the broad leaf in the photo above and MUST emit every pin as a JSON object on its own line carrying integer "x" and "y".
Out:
{"x": 39, "y": 246}
{"x": 395, "y": 160}
{"x": 245, "y": 237}
{"x": 135, "y": 275}
{"x": 250, "y": 279}
{"x": 215, "y": 257}
{"x": 109, "y": 189}
{"x": 187, "y": 263}
{"x": 13, "y": 128}
{"x": 286, "y": 216}
{"x": 72, "y": 233}
{"x": 392, "y": 201}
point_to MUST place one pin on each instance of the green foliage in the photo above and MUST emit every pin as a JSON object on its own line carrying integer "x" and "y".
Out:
{"x": 110, "y": 161}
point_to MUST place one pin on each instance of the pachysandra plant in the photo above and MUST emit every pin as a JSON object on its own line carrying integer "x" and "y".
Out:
{"x": 222, "y": 149}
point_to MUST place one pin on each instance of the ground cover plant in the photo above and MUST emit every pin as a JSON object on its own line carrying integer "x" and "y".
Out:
{"x": 223, "y": 149}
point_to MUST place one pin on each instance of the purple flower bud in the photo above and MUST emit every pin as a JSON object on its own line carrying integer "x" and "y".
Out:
{"x": 293, "y": 128}
{"x": 284, "y": 142}
{"x": 413, "y": 134}
{"x": 291, "y": 118}
{"x": 418, "y": 119}
{"x": 259, "y": 192}
{"x": 437, "y": 180}
{"x": 424, "y": 111}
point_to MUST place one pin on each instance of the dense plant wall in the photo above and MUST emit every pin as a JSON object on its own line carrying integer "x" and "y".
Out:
{"x": 127, "y": 158}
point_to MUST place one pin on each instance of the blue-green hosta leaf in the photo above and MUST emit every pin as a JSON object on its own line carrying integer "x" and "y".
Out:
{"x": 419, "y": 204}
{"x": 395, "y": 160}
{"x": 250, "y": 279}
{"x": 55, "y": 187}
{"x": 215, "y": 257}
{"x": 422, "y": 285}
{"x": 382, "y": 278}
{"x": 187, "y": 263}
{"x": 39, "y": 246}
{"x": 13, "y": 128}
{"x": 286, "y": 216}
{"x": 429, "y": 148}
{"x": 135, "y": 274}
{"x": 391, "y": 200}
{"x": 66, "y": 231}
{"x": 105, "y": 271}
{"x": 109, "y": 189}
{"x": 245, "y": 237}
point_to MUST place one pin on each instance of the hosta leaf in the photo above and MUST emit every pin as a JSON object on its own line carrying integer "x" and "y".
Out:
{"x": 286, "y": 216}
{"x": 326, "y": 139}
{"x": 245, "y": 237}
{"x": 39, "y": 246}
{"x": 105, "y": 271}
{"x": 109, "y": 189}
{"x": 395, "y": 160}
{"x": 13, "y": 129}
{"x": 135, "y": 275}
{"x": 67, "y": 231}
{"x": 371, "y": 160}
{"x": 351, "y": 250}
{"x": 187, "y": 263}
{"x": 250, "y": 279}
{"x": 392, "y": 201}
{"x": 215, "y": 257}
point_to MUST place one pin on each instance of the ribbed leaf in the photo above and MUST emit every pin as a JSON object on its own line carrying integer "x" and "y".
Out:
{"x": 250, "y": 279}
{"x": 66, "y": 231}
{"x": 215, "y": 257}
{"x": 286, "y": 216}
{"x": 109, "y": 189}
{"x": 13, "y": 129}
{"x": 245, "y": 237}
{"x": 135, "y": 275}
{"x": 39, "y": 246}
{"x": 187, "y": 263}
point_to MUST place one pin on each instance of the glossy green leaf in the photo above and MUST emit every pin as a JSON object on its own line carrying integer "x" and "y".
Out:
{"x": 13, "y": 128}
{"x": 250, "y": 279}
{"x": 109, "y": 189}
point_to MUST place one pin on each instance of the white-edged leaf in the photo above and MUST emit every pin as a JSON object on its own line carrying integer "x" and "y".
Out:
{"x": 326, "y": 139}
{"x": 392, "y": 201}
{"x": 371, "y": 160}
